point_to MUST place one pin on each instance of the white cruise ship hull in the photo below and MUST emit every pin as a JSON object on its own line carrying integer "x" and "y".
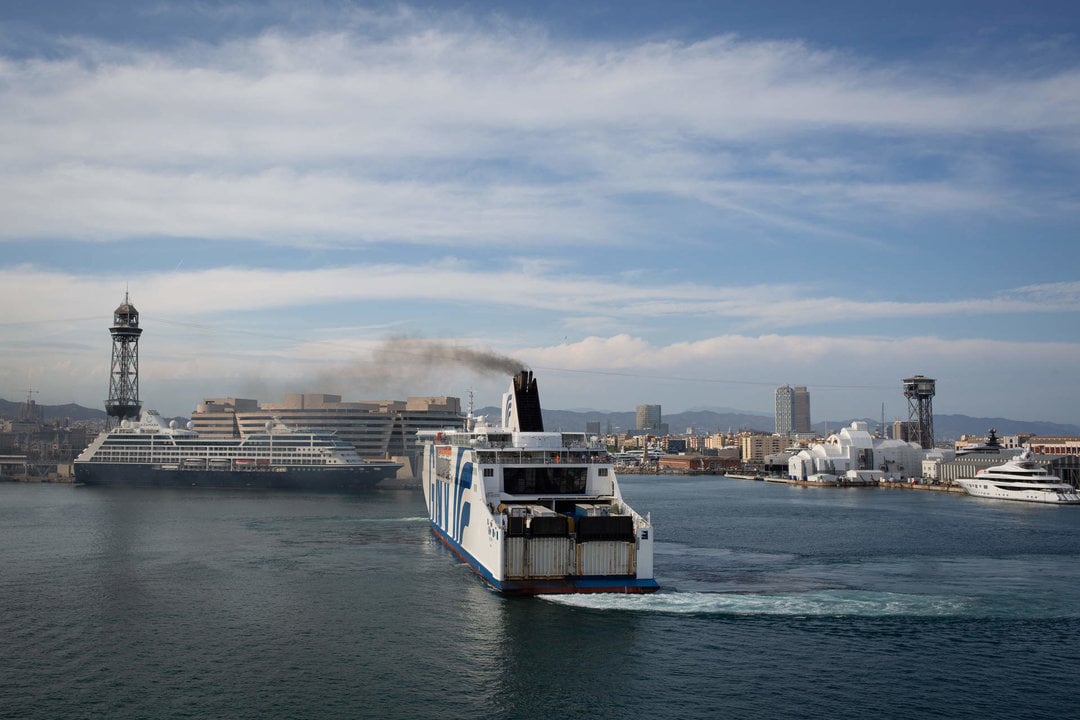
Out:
{"x": 151, "y": 453}
{"x": 315, "y": 479}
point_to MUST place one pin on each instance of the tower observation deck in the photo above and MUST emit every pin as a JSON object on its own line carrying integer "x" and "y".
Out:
{"x": 919, "y": 392}
{"x": 123, "y": 402}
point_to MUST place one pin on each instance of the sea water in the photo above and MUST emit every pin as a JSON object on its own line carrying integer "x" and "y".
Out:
{"x": 777, "y": 601}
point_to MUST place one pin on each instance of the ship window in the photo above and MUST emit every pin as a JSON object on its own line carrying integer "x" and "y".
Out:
{"x": 489, "y": 472}
{"x": 602, "y": 472}
{"x": 544, "y": 480}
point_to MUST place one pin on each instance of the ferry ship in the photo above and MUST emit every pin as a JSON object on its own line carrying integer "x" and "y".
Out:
{"x": 152, "y": 453}
{"x": 534, "y": 512}
{"x": 1020, "y": 479}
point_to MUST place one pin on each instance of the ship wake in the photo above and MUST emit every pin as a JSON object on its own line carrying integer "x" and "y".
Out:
{"x": 818, "y": 603}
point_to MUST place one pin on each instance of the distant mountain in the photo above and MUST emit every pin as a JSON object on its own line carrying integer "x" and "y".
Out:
{"x": 951, "y": 427}
{"x": 723, "y": 410}
{"x": 10, "y": 410}
{"x": 946, "y": 427}
{"x": 703, "y": 421}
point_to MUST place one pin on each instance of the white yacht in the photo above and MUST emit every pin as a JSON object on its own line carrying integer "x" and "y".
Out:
{"x": 1020, "y": 479}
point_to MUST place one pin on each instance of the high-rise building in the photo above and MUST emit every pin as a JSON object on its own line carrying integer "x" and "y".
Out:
{"x": 648, "y": 418}
{"x": 785, "y": 410}
{"x": 792, "y": 410}
{"x": 802, "y": 410}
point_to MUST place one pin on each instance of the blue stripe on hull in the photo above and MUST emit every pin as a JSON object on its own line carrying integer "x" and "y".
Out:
{"x": 589, "y": 584}
{"x": 465, "y": 555}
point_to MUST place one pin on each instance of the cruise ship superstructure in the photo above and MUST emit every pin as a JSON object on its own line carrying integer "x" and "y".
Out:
{"x": 534, "y": 512}
{"x": 151, "y": 452}
{"x": 1020, "y": 479}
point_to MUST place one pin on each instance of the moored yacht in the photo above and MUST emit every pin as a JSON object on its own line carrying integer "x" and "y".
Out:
{"x": 1020, "y": 479}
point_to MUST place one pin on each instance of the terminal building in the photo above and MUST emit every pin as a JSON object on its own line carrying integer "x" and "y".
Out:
{"x": 854, "y": 454}
{"x": 379, "y": 429}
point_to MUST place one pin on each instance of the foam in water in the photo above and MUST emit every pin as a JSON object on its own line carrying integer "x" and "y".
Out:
{"x": 823, "y": 603}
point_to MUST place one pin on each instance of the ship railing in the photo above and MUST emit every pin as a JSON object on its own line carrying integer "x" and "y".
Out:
{"x": 548, "y": 457}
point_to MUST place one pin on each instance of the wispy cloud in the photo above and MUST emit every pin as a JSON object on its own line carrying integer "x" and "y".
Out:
{"x": 535, "y": 286}
{"x": 423, "y": 128}
{"x": 714, "y": 208}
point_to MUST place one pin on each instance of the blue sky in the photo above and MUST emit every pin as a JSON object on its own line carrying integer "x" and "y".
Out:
{"x": 683, "y": 203}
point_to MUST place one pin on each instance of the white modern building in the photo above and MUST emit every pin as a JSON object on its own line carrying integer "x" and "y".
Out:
{"x": 853, "y": 454}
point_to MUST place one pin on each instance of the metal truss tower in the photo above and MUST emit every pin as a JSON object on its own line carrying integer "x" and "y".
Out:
{"x": 919, "y": 392}
{"x": 123, "y": 402}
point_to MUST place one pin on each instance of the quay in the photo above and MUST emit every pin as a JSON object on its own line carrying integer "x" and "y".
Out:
{"x": 759, "y": 477}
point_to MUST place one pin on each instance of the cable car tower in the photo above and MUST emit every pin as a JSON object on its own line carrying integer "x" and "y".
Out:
{"x": 123, "y": 402}
{"x": 919, "y": 392}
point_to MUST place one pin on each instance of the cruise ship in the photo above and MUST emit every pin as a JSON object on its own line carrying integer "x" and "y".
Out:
{"x": 534, "y": 512}
{"x": 1020, "y": 479}
{"x": 151, "y": 452}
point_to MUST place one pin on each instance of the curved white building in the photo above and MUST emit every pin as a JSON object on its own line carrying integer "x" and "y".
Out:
{"x": 854, "y": 454}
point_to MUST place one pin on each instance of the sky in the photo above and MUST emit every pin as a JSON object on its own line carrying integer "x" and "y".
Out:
{"x": 682, "y": 203}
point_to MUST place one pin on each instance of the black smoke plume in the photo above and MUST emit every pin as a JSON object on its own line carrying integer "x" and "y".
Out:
{"x": 425, "y": 355}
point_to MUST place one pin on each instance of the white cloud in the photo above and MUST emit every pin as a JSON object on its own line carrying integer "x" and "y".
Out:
{"x": 424, "y": 128}
{"x": 537, "y": 286}
{"x": 522, "y": 152}
{"x": 183, "y": 362}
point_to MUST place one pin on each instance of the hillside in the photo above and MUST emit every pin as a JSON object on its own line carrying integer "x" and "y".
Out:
{"x": 703, "y": 421}
{"x": 946, "y": 427}
{"x": 10, "y": 411}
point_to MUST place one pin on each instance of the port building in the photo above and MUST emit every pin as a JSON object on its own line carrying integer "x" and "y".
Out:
{"x": 379, "y": 429}
{"x": 854, "y": 454}
{"x": 755, "y": 446}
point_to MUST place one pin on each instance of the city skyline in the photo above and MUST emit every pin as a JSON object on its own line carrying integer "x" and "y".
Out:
{"x": 681, "y": 204}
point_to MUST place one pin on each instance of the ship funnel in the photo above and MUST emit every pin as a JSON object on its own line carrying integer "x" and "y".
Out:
{"x": 521, "y": 405}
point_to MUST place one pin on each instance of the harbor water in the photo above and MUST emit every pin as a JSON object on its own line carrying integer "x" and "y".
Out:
{"x": 777, "y": 601}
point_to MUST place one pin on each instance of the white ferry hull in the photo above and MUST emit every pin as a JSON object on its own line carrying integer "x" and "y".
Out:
{"x": 536, "y": 513}
{"x": 553, "y": 585}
